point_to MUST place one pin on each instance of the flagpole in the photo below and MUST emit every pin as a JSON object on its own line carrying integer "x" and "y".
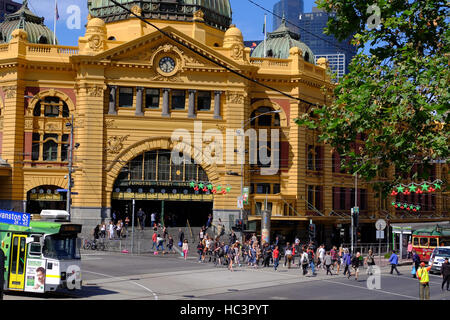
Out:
{"x": 265, "y": 34}
{"x": 54, "y": 26}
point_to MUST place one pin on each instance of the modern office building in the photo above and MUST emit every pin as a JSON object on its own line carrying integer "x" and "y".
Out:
{"x": 336, "y": 62}
{"x": 130, "y": 88}
{"x": 7, "y": 7}
{"x": 311, "y": 28}
{"x": 290, "y": 9}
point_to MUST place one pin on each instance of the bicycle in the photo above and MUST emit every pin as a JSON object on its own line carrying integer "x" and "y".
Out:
{"x": 94, "y": 245}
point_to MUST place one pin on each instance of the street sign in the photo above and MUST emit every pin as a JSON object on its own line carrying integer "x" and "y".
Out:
{"x": 380, "y": 234}
{"x": 16, "y": 218}
{"x": 380, "y": 224}
{"x": 240, "y": 202}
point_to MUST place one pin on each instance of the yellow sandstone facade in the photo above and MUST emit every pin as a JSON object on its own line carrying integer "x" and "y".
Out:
{"x": 129, "y": 87}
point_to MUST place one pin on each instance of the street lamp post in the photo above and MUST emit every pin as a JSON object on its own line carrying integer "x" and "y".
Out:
{"x": 69, "y": 187}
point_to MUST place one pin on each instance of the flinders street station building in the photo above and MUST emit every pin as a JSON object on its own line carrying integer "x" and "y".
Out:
{"x": 108, "y": 109}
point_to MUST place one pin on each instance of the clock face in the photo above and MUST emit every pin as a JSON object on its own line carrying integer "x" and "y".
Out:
{"x": 167, "y": 64}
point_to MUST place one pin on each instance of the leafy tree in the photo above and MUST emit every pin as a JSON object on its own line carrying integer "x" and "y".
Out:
{"x": 397, "y": 93}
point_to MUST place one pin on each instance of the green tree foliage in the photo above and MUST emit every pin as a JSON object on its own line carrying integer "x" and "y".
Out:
{"x": 397, "y": 94}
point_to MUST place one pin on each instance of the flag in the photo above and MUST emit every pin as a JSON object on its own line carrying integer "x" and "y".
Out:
{"x": 56, "y": 11}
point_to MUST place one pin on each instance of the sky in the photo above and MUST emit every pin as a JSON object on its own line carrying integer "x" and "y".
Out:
{"x": 246, "y": 16}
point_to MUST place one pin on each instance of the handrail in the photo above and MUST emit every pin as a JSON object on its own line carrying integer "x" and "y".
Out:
{"x": 190, "y": 229}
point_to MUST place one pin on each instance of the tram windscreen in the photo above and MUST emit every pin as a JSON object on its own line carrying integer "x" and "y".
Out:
{"x": 61, "y": 247}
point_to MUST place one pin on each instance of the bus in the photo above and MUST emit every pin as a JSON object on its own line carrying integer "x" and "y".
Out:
{"x": 41, "y": 257}
{"x": 425, "y": 240}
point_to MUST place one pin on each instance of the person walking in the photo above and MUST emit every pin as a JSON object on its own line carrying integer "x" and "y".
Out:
{"x": 416, "y": 261}
{"x": 355, "y": 265}
{"x": 180, "y": 235}
{"x": 445, "y": 272}
{"x": 160, "y": 241}
{"x": 328, "y": 263}
{"x": 276, "y": 258}
{"x": 230, "y": 254}
{"x": 267, "y": 253}
{"x": 424, "y": 281}
{"x": 311, "y": 260}
{"x": 304, "y": 261}
{"x": 410, "y": 249}
{"x": 154, "y": 240}
{"x": 288, "y": 255}
{"x": 200, "y": 251}
{"x": 140, "y": 215}
{"x": 152, "y": 219}
{"x": 321, "y": 256}
{"x": 347, "y": 261}
{"x": 334, "y": 257}
{"x": 393, "y": 260}
{"x": 370, "y": 261}
{"x": 185, "y": 249}
{"x": 340, "y": 260}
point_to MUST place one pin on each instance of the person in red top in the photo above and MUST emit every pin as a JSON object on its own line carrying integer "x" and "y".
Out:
{"x": 154, "y": 239}
{"x": 276, "y": 257}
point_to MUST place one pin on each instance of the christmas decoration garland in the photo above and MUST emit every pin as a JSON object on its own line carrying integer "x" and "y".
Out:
{"x": 417, "y": 188}
{"x": 205, "y": 187}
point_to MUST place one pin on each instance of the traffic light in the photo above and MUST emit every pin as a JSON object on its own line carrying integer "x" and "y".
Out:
{"x": 312, "y": 231}
{"x": 239, "y": 225}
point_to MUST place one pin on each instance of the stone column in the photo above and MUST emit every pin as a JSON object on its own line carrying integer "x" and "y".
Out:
{"x": 165, "y": 108}
{"x": 139, "y": 101}
{"x": 217, "y": 96}
{"x": 191, "y": 107}
{"x": 112, "y": 100}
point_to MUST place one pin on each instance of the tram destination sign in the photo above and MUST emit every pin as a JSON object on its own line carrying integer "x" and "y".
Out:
{"x": 15, "y": 218}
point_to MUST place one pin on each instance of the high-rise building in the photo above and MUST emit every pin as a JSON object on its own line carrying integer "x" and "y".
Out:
{"x": 290, "y": 9}
{"x": 312, "y": 31}
{"x": 6, "y": 7}
{"x": 336, "y": 62}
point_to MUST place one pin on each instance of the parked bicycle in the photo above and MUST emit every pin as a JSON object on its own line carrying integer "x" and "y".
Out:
{"x": 94, "y": 245}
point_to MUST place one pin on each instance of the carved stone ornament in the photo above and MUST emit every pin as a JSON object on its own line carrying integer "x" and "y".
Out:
{"x": 52, "y": 127}
{"x": 235, "y": 97}
{"x": 28, "y": 124}
{"x": 110, "y": 123}
{"x": 95, "y": 91}
{"x": 96, "y": 42}
{"x": 175, "y": 78}
{"x": 115, "y": 144}
{"x": 10, "y": 92}
{"x": 136, "y": 10}
{"x": 199, "y": 15}
{"x": 237, "y": 52}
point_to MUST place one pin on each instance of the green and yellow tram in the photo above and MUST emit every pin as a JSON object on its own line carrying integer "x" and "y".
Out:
{"x": 42, "y": 256}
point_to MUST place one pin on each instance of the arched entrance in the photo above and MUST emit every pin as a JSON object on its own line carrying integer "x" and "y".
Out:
{"x": 160, "y": 186}
{"x": 45, "y": 198}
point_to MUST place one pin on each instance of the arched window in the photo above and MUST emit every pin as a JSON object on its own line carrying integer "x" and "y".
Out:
{"x": 306, "y": 57}
{"x": 51, "y": 107}
{"x": 43, "y": 40}
{"x": 263, "y": 118}
{"x": 112, "y": 38}
{"x": 51, "y": 143}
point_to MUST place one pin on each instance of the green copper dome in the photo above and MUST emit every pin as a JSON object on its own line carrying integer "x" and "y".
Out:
{"x": 217, "y": 13}
{"x": 279, "y": 43}
{"x": 28, "y": 21}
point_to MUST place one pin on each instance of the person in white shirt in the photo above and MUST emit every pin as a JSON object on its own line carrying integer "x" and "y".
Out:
{"x": 160, "y": 240}
{"x": 185, "y": 249}
{"x": 288, "y": 255}
{"x": 322, "y": 256}
{"x": 111, "y": 230}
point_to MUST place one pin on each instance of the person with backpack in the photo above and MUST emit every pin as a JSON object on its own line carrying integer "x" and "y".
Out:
{"x": 304, "y": 261}
{"x": 311, "y": 260}
{"x": 370, "y": 261}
